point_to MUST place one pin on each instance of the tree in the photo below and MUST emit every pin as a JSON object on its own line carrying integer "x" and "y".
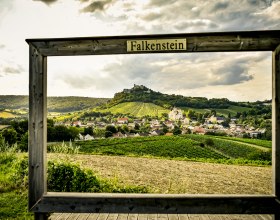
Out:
{"x": 88, "y": 130}
{"x": 10, "y": 135}
{"x": 177, "y": 130}
{"x": 108, "y": 134}
{"x": 111, "y": 128}
{"x": 23, "y": 145}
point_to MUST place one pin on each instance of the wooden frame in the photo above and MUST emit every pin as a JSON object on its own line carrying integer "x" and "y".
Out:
{"x": 42, "y": 202}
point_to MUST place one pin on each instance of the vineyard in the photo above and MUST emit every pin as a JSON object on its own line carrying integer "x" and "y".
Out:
{"x": 138, "y": 109}
{"x": 185, "y": 147}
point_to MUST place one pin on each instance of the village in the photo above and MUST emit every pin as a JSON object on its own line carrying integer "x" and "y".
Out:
{"x": 175, "y": 123}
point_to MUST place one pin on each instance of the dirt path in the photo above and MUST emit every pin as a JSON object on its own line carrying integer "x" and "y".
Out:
{"x": 171, "y": 176}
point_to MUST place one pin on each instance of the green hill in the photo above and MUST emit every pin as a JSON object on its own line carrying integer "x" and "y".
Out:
{"x": 140, "y": 93}
{"x": 55, "y": 104}
{"x": 138, "y": 109}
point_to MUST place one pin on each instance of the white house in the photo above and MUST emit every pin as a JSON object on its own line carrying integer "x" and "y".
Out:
{"x": 175, "y": 114}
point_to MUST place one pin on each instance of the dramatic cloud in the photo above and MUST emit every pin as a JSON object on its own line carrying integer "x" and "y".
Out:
{"x": 97, "y": 6}
{"x": 220, "y": 6}
{"x": 7, "y": 69}
{"x": 48, "y": 2}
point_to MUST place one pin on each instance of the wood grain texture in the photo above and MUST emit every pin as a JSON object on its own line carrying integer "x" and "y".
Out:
{"x": 158, "y": 203}
{"x": 276, "y": 119}
{"x": 37, "y": 126}
{"x": 196, "y": 42}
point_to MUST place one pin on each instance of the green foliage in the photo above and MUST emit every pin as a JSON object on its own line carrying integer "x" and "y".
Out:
{"x": 181, "y": 147}
{"x": 263, "y": 143}
{"x": 64, "y": 148}
{"x": 66, "y": 177}
{"x": 209, "y": 142}
{"x": 108, "y": 134}
{"x": 10, "y": 135}
{"x": 111, "y": 128}
{"x": 177, "y": 131}
{"x": 159, "y": 146}
{"x": 62, "y": 133}
{"x": 23, "y": 144}
{"x": 233, "y": 150}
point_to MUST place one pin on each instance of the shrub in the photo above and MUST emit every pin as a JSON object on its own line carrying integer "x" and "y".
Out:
{"x": 66, "y": 177}
{"x": 209, "y": 142}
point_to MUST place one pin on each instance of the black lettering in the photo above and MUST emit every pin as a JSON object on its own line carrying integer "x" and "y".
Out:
{"x": 147, "y": 46}
{"x": 163, "y": 46}
{"x": 133, "y": 44}
{"x": 172, "y": 46}
{"x": 181, "y": 46}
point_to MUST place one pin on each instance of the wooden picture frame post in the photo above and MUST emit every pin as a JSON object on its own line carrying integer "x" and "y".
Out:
{"x": 42, "y": 202}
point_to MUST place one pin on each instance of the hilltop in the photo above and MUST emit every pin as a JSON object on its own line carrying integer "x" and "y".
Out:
{"x": 140, "y": 93}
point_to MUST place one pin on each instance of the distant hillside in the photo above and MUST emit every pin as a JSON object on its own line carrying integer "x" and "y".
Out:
{"x": 55, "y": 104}
{"x": 140, "y": 93}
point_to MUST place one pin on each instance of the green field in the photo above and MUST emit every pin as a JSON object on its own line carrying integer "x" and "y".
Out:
{"x": 232, "y": 110}
{"x": 138, "y": 109}
{"x": 7, "y": 114}
{"x": 185, "y": 147}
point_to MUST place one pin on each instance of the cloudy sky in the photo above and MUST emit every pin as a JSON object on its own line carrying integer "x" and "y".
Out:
{"x": 236, "y": 76}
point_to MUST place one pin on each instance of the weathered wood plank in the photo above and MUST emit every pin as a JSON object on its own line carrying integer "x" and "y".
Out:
{"x": 196, "y": 42}
{"x": 157, "y": 203}
{"x": 194, "y": 217}
{"x": 162, "y": 216}
{"x": 113, "y": 216}
{"x": 55, "y": 216}
{"x": 183, "y": 217}
{"x": 93, "y": 216}
{"x": 142, "y": 216}
{"x": 74, "y": 216}
{"x": 83, "y": 216}
{"x": 37, "y": 126}
{"x": 152, "y": 217}
{"x": 276, "y": 119}
{"x": 64, "y": 216}
{"x": 122, "y": 216}
{"x": 132, "y": 216}
{"x": 103, "y": 216}
{"x": 173, "y": 217}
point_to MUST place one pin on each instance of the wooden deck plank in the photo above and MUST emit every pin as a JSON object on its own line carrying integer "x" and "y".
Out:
{"x": 132, "y": 216}
{"x": 113, "y": 216}
{"x": 194, "y": 217}
{"x": 103, "y": 216}
{"x": 152, "y": 217}
{"x": 173, "y": 217}
{"x": 93, "y": 216}
{"x": 143, "y": 217}
{"x": 122, "y": 216}
{"x": 55, "y": 216}
{"x": 64, "y": 216}
{"x": 74, "y": 216}
{"x": 162, "y": 217}
{"x": 183, "y": 217}
{"x": 83, "y": 216}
